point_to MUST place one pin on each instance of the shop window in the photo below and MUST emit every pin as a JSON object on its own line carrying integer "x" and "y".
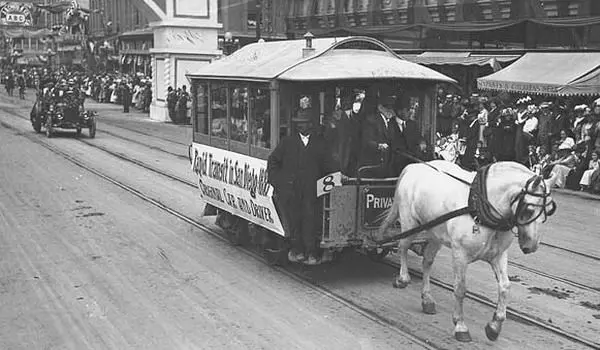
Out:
{"x": 238, "y": 122}
{"x": 218, "y": 106}
{"x": 260, "y": 117}
{"x": 201, "y": 109}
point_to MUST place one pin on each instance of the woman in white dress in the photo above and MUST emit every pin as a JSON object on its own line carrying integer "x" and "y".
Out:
{"x": 562, "y": 167}
{"x": 587, "y": 175}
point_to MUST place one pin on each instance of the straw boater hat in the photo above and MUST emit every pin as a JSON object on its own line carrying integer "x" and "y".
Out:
{"x": 523, "y": 100}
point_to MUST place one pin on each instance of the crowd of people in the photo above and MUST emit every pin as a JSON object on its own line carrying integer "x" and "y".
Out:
{"x": 122, "y": 89}
{"x": 118, "y": 88}
{"x": 557, "y": 138}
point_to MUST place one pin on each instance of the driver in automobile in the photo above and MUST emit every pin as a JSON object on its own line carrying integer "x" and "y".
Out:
{"x": 72, "y": 100}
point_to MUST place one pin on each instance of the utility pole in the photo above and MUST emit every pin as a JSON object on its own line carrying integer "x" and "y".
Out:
{"x": 258, "y": 18}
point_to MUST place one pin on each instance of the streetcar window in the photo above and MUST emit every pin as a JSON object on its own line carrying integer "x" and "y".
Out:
{"x": 201, "y": 116}
{"x": 238, "y": 122}
{"x": 218, "y": 106}
{"x": 260, "y": 117}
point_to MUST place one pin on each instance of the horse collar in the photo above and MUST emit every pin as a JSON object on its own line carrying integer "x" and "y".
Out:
{"x": 480, "y": 207}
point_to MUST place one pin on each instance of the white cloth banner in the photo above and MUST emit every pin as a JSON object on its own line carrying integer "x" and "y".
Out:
{"x": 237, "y": 184}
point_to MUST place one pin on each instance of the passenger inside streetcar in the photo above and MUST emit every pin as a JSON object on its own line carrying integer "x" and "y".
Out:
{"x": 343, "y": 129}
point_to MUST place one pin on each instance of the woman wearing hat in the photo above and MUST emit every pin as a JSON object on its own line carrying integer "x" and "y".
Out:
{"x": 561, "y": 168}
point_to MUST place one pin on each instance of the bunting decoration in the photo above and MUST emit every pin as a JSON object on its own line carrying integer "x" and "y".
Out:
{"x": 56, "y": 8}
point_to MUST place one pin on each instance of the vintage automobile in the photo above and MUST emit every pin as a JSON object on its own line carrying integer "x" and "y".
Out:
{"x": 57, "y": 118}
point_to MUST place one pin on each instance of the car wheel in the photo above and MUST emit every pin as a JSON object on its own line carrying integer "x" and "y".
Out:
{"x": 37, "y": 124}
{"x": 93, "y": 128}
{"x": 49, "y": 129}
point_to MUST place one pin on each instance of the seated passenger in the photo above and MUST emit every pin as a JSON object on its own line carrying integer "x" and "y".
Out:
{"x": 293, "y": 168}
{"x": 377, "y": 139}
{"x": 343, "y": 130}
{"x": 405, "y": 140}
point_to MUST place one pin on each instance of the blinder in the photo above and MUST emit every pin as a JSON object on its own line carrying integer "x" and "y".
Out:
{"x": 526, "y": 213}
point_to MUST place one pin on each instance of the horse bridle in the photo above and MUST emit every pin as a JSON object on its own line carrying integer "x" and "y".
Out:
{"x": 548, "y": 206}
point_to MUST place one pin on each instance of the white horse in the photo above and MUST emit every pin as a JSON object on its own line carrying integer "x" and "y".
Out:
{"x": 514, "y": 197}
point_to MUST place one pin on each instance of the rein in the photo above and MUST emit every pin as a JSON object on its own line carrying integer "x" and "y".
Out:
{"x": 480, "y": 208}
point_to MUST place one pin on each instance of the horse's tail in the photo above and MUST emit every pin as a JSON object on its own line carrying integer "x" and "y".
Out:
{"x": 391, "y": 215}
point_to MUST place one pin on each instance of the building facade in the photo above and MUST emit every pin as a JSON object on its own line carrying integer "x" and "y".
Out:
{"x": 452, "y": 24}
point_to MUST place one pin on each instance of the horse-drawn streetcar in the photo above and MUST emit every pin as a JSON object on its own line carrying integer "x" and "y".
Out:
{"x": 246, "y": 108}
{"x": 245, "y": 103}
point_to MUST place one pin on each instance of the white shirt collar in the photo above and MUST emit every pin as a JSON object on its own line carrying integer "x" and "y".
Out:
{"x": 304, "y": 139}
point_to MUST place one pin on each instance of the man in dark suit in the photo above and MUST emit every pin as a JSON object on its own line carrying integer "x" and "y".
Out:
{"x": 405, "y": 139}
{"x": 377, "y": 138}
{"x": 294, "y": 167}
{"x": 344, "y": 133}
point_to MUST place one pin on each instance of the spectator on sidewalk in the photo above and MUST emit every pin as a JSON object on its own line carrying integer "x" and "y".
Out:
{"x": 593, "y": 166}
{"x": 126, "y": 96}
{"x": 172, "y": 103}
{"x": 182, "y": 105}
{"x": 147, "y": 96}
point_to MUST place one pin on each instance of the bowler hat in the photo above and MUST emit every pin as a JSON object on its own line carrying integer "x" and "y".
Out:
{"x": 388, "y": 99}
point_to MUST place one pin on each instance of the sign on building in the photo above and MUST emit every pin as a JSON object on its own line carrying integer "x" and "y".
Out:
{"x": 15, "y": 13}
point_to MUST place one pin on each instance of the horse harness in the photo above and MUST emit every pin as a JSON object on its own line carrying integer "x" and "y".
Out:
{"x": 487, "y": 215}
{"x": 483, "y": 211}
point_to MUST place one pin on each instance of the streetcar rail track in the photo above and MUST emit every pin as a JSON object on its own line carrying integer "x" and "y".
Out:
{"x": 180, "y": 156}
{"x": 368, "y": 314}
{"x": 512, "y": 313}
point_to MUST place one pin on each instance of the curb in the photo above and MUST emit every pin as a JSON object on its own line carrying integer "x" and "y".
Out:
{"x": 583, "y": 195}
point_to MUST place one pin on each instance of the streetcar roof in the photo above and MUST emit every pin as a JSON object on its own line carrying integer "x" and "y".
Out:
{"x": 332, "y": 59}
{"x": 360, "y": 64}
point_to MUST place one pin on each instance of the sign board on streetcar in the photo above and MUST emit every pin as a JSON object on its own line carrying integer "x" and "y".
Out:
{"x": 375, "y": 202}
{"x": 236, "y": 183}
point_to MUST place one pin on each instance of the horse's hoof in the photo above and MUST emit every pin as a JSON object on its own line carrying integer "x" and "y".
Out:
{"x": 491, "y": 333}
{"x": 428, "y": 308}
{"x": 400, "y": 284}
{"x": 464, "y": 337}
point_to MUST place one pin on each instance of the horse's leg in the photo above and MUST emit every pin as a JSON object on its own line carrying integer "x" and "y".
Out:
{"x": 459, "y": 266}
{"x": 427, "y": 301}
{"x": 500, "y": 267}
{"x": 403, "y": 278}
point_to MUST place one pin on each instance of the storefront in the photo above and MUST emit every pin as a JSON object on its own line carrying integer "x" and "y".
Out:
{"x": 135, "y": 56}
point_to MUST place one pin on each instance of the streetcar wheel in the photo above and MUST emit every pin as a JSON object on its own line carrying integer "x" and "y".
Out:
{"x": 93, "y": 128}
{"x": 275, "y": 251}
{"x": 238, "y": 233}
{"x": 378, "y": 254}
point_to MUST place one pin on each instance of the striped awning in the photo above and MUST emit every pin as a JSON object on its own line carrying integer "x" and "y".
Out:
{"x": 541, "y": 73}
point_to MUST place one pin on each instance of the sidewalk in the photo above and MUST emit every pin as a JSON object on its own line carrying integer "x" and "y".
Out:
{"x": 113, "y": 114}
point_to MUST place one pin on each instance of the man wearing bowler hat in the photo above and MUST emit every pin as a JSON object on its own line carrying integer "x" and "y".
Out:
{"x": 294, "y": 167}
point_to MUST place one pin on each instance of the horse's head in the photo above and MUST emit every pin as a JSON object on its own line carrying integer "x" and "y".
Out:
{"x": 524, "y": 201}
{"x": 531, "y": 207}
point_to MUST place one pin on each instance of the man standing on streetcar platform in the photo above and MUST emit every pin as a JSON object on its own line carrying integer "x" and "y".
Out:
{"x": 377, "y": 137}
{"x": 294, "y": 167}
